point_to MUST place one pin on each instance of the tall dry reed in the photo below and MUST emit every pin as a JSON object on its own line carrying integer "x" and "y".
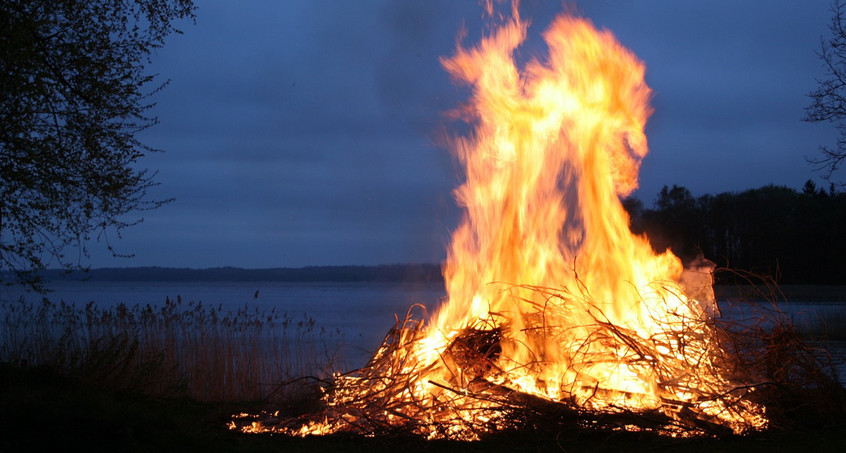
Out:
{"x": 173, "y": 349}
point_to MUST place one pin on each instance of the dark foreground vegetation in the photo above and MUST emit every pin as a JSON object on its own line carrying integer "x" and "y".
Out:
{"x": 796, "y": 237}
{"x": 41, "y": 410}
{"x": 170, "y": 379}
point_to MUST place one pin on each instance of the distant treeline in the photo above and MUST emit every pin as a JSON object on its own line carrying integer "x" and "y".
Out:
{"x": 794, "y": 237}
{"x": 418, "y": 273}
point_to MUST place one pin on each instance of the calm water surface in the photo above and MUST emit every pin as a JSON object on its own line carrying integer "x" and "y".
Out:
{"x": 363, "y": 312}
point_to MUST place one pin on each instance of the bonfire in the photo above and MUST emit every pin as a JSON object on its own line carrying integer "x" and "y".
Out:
{"x": 555, "y": 311}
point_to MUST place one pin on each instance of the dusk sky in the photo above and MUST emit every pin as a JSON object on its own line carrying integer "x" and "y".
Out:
{"x": 308, "y": 132}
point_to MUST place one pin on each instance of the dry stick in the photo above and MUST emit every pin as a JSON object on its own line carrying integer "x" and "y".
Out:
{"x": 294, "y": 381}
{"x": 514, "y": 400}
{"x": 390, "y": 359}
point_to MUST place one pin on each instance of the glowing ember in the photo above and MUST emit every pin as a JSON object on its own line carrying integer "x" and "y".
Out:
{"x": 553, "y": 305}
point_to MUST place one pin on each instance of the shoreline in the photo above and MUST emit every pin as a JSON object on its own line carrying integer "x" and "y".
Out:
{"x": 781, "y": 293}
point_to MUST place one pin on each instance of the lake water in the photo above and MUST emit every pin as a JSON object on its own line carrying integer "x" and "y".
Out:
{"x": 363, "y": 312}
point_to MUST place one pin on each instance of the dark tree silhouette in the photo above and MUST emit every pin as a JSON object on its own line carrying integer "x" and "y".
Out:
{"x": 73, "y": 95}
{"x": 674, "y": 223}
{"x": 828, "y": 101}
{"x": 794, "y": 237}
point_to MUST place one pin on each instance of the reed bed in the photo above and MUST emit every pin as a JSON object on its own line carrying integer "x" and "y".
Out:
{"x": 171, "y": 350}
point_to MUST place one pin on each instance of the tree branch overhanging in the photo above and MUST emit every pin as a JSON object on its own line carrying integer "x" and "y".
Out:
{"x": 828, "y": 100}
{"x": 74, "y": 93}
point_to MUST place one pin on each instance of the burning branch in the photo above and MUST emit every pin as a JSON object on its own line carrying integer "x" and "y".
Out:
{"x": 476, "y": 395}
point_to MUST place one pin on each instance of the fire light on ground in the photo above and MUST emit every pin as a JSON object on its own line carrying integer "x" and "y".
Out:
{"x": 554, "y": 306}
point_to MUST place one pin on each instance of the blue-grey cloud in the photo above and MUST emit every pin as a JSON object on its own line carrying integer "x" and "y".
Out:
{"x": 310, "y": 131}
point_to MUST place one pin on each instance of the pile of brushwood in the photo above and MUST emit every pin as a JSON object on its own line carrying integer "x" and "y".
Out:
{"x": 795, "y": 383}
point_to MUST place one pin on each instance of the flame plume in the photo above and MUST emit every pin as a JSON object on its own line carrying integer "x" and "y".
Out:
{"x": 552, "y": 301}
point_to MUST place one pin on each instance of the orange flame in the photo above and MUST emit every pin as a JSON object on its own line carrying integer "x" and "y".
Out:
{"x": 555, "y": 148}
{"x": 583, "y": 310}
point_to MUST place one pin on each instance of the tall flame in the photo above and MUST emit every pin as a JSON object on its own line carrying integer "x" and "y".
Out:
{"x": 553, "y": 151}
{"x": 555, "y": 147}
{"x": 549, "y": 293}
